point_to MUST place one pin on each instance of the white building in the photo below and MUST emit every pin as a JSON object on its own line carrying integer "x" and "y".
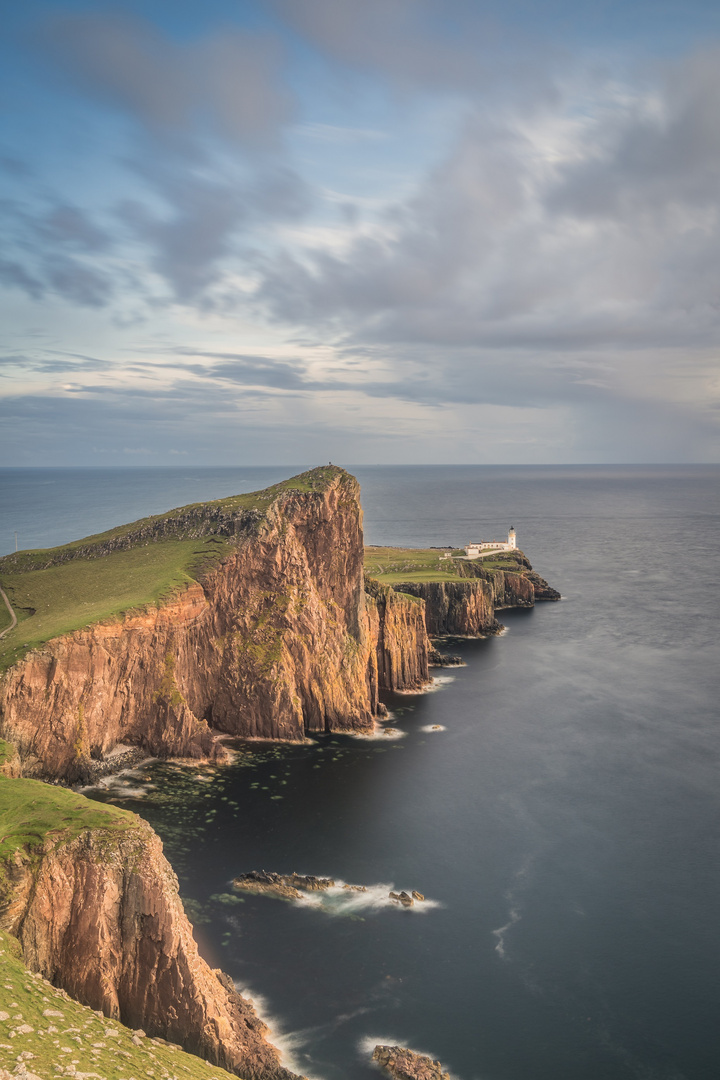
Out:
{"x": 484, "y": 547}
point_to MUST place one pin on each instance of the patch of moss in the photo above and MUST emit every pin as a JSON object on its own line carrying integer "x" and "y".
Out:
{"x": 168, "y": 690}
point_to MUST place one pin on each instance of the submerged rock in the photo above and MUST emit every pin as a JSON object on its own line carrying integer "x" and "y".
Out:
{"x": 404, "y": 1064}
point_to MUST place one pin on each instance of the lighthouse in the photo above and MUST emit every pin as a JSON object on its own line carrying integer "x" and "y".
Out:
{"x": 512, "y": 539}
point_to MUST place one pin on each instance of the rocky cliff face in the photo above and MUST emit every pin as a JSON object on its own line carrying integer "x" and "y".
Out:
{"x": 402, "y": 646}
{"x": 100, "y": 916}
{"x": 275, "y": 642}
{"x": 462, "y": 608}
{"x": 467, "y": 608}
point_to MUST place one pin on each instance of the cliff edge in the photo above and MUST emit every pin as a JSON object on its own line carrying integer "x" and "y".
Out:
{"x": 246, "y": 617}
{"x": 88, "y": 893}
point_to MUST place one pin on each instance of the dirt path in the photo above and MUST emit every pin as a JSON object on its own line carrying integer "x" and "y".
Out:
{"x": 13, "y": 616}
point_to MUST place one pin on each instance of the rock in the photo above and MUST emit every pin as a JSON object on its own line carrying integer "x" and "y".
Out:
{"x": 269, "y": 644}
{"x": 100, "y": 915}
{"x": 403, "y": 1064}
{"x": 402, "y": 646}
{"x": 417, "y": 895}
{"x": 438, "y": 659}
{"x": 402, "y": 898}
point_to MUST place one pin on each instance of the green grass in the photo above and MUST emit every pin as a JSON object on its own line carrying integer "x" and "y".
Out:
{"x": 392, "y": 566}
{"x": 74, "y": 594}
{"x": 7, "y": 751}
{"x": 5, "y": 618}
{"x": 86, "y": 588}
{"x": 78, "y": 1036}
{"x": 31, "y": 810}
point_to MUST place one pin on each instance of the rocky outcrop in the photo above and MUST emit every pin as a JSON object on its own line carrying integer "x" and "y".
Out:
{"x": 402, "y": 646}
{"x": 467, "y": 608}
{"x": 274, "y": 642}
{"x": 100, "y": 916}
{"x": 403, "y": 1064}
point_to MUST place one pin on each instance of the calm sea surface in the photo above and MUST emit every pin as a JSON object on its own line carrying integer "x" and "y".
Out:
{"x": 563, "y": 824}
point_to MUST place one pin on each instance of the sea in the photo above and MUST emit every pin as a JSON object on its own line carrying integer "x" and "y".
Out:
{"x": 556, "y": 800}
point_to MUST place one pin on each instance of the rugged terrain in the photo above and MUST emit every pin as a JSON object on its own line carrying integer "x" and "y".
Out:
{"x": 461, "y": 595}
{"x": 88, "y": 894}
{"x": 268, "y": 636}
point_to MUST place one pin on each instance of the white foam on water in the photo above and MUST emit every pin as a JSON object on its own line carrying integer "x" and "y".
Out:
{"x": 433, "y": 727}
{"x": 379, "y": 734}
{"x": 439, "y": 681}
{"x": 501, "y": 931}
{"x": 120, "y": 783}
{"x": 287, "y": 1042}
{"x": 346, "y": 902}
{"x": 514, "y": 911}
{"x": 367, "y": 1044}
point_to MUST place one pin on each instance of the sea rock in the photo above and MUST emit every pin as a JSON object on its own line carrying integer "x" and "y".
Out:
{"x": 284, "y": 886}
{"x": 438, "y": 659}
{"x": 403, "y": 898}
{"x": 403, "y": 1064}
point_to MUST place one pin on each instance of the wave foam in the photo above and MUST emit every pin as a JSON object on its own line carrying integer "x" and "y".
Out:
{"x": 379, "y": 734}
{"x": 433, "y": 727}
{"x": 338, "y": 900}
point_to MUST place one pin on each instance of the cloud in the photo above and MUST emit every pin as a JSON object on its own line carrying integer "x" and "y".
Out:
{"x": 229, "y": 82}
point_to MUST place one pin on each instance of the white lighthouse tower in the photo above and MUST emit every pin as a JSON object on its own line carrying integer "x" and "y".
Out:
{"x": 512, "y": 539}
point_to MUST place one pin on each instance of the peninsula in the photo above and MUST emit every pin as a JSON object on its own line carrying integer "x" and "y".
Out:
{"x": 257, "y": 616}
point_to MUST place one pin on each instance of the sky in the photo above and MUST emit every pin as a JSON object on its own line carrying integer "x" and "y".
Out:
{"x": 388, "y": 231}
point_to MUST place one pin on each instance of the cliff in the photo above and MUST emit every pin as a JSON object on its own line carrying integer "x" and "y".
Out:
{"x": 270, "y": 637}
{"x": 399, "y": 629}
{"x": 94, "y": 904}
{"x": 466, "y": 606}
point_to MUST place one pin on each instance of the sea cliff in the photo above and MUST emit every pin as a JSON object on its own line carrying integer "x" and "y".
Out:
{"x": 274, "y": 639}
{"x": 92, "y": 900}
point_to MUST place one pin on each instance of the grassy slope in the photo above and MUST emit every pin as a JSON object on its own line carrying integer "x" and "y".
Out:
{"x": 390, "y": 565}
{"x": 68, "y": 596}
{"x": 5, "y": 619}
{"x": 30, "y": 810}
{"x": 77, "y": 1036}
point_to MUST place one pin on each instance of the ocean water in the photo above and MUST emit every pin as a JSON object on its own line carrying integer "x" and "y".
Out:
{"x": 556, "y": 799}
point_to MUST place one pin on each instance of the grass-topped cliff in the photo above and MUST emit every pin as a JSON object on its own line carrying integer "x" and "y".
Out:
{"x": 57, "y": 590}
{"x": 90, "y": 916}
{"x": 391, "y": 565}
{"x": 49, "y": 1030}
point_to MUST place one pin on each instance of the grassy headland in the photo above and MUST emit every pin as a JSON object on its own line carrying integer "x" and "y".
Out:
{"x": 391, "y": 565}
{"x": 57, "y": 590}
